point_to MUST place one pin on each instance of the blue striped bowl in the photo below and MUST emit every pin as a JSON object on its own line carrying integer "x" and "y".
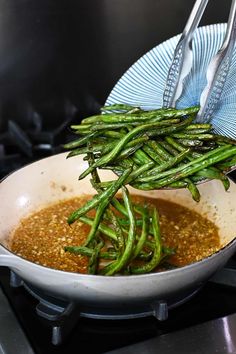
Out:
{"x": 144, "y": 82}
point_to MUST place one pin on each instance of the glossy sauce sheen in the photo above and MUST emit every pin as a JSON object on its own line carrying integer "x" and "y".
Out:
{"x": 42, "y": 236}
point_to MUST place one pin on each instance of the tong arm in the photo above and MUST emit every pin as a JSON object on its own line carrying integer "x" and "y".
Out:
{"x": 217, "y": 71}
{"x": 182, "y": 60}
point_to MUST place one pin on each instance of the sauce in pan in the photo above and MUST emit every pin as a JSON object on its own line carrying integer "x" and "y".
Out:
{"x": 42, "y": 236}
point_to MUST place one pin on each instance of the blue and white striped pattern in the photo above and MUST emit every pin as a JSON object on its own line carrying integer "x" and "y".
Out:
{"x": 143, "y": 83}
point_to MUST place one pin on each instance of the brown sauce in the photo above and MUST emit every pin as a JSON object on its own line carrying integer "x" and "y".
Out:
{"x": 42, "y": 236}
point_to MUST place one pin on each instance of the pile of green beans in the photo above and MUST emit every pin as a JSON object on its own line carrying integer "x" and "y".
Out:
{"x": 148, "y": 150}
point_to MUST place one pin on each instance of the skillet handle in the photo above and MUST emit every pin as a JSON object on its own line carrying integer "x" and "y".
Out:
{"x": 7, "y": 259}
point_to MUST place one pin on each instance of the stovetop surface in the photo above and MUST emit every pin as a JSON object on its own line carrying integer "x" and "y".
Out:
{"x": 99, "y": 336}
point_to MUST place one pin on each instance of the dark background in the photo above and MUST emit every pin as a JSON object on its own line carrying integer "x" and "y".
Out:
{"x": 57, "y": 54}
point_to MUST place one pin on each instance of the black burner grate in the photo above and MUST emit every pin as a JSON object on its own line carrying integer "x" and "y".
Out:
{"x": 63, "y": 316}
{"x": 26, "y": 140}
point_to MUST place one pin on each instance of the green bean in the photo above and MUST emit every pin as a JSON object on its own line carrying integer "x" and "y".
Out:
{"x": 171, "y": 112}
{"x": 105, "y": 197}
{"x": 169, "y": 130}
{"x": 194, "y": 131}
{"x": 93, "y": 262}
{"x": 221, "y": 138}
{"x": 204, "y": 148}
{"x": 118, "y": 230}
{"x": 188, "y": 136}
{"x": 227, "y": 164}
{"x": 86, "y": 251}
{"x": 193, "y": 190}
{"x": 119, "y": 107}
{"x": 119, "y": 207}
{"x": 225, "y": 181}
{"x": 163, "y": 122}
{"x": 116, "y": 118}
{"x": 79, "y": 142}
{"x": 108, "y": 118}
{"x": 191, "y": 157}
{"x": 98, "y": 218}
{"x": 140, "y": 140}
{"x": 174, "y": 143}
{"x": 160, "y": 150}
{"x": 102, "y": 227}
{"x": 126, "y": 163}
{"x": 141, "y": 158}
{"x": 194, "y": 126}
{"x": 91, "y": 119}
{"x": 118, "y": 265}
{"x": 144, "y": 234}
{"x": 190, "y": 143}
{"x": 113, "y": 134}
{"x": 94, "y": 174}
{"x": 128, "y": 151}
{"x": 122, "y": 210}
{"x": 149, "y": 150}
{"x": 158, "y": 114}
{"x": 166, "y": 151}
{"x": 152, "y": 174}
{"x": 152, "y": 264}
{"x": 95, "y": 148}
{"x": 105, "y": 126}
{"x": 111, "y": 216}
{"x": 214, "y": 173}
{"x": 169, "y": 149}
{"x": 108, "y": 255}
{"x": 148, "y": 186}
{"x": 81, "y": 127}
{"x": 135, "y": 110}
{"x": 198, "y": 179}
{"x": 138, "y": 171}
{"x": 116, "y": 122}
{"x": 177, "y": 184}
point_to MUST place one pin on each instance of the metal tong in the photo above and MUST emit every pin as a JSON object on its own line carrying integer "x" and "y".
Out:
{"x": 217, "y": 70}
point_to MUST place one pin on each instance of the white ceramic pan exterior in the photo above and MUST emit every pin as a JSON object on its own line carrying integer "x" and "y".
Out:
{"x": 43, "y": 182}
